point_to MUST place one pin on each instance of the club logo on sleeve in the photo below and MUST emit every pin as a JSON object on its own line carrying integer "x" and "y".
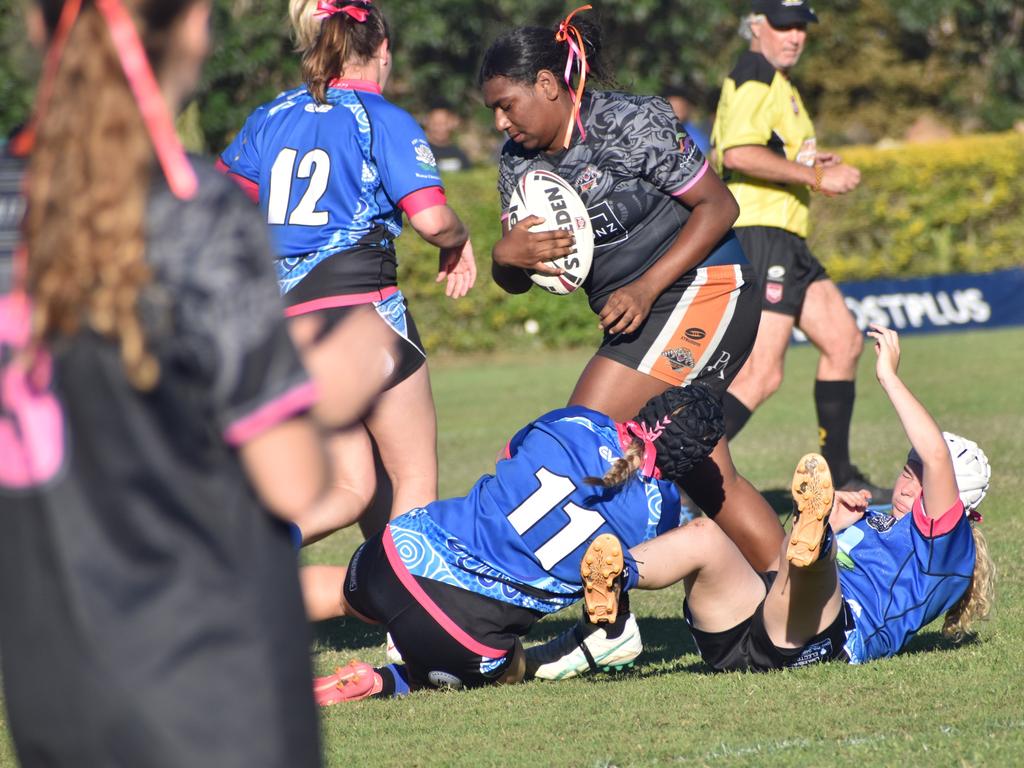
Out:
{"x": 773, "y": 292}
{"x": 424, "y": 155}
{"x": 687, "y": 146}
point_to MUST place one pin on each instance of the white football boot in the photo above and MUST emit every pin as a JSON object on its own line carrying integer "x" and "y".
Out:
{"x": 585, "y": 648}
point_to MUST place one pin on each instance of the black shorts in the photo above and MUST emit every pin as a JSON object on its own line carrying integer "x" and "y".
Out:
{"x": 449, "y": 637}
{"x": 747, "y": 647}
{"x": 700, "y": 329}
{"x": 393, "y": 310}
{"x": 784, "y": 265}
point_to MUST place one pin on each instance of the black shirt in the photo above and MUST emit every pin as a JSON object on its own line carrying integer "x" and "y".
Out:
{"x": 150, "y": 611}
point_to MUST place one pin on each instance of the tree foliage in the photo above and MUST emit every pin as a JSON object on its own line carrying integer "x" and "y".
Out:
{"x": 871, "y": 66}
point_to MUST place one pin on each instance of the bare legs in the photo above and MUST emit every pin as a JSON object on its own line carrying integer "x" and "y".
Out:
{"x": 722, "y": 590}
{"x": 322, "y": 593}
{"x": 803, "y": 601}
{"x": 715, "y": 486}
{"x": 403, "y": 424}
{"x": 829, "y": 326}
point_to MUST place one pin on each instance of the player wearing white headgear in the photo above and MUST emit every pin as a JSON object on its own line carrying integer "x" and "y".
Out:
{"x": 854, "y": 584}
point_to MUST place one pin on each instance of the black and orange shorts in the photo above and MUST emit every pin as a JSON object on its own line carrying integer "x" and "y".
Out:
{"x": 700, "y": 329}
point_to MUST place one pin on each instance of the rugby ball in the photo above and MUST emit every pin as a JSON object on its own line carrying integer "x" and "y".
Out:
{"x": 546, "y": 194}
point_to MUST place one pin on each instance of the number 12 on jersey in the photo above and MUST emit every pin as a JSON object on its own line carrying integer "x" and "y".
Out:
{"x": 553, "y": 490}
{"x": 315, "y": 165}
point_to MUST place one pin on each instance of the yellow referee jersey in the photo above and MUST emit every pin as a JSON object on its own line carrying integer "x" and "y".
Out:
{"x": 759, "y": 105}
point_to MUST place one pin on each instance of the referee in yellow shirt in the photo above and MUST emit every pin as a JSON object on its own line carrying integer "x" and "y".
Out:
{"x": 765, "y": 145}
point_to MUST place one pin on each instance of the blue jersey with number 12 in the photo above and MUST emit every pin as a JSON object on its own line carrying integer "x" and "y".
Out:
{"x": 519, "y": 534}
{"x": 331, "y": 178}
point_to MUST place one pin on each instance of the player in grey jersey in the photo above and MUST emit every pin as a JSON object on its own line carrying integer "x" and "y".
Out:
{"x": 669, "y": 282}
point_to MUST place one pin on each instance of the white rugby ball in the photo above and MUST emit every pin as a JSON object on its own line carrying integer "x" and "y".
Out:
{"x": 546, "y": 194}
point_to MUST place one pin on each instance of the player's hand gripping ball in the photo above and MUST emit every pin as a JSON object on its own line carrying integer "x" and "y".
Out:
{"x": 548, "y": 195}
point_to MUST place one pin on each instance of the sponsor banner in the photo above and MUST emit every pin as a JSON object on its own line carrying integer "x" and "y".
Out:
{"x": 939, "y": 303}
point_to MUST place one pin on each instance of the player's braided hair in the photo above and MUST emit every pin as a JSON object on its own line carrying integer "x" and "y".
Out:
{"x": 328, "y": 44}
{"x": 88, "y": 185}
{"x": 522, "y": 52}
{"x": 683, "y": 424}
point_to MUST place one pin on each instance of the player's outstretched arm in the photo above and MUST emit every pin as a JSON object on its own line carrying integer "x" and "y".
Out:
{"x": 939, "y": 480}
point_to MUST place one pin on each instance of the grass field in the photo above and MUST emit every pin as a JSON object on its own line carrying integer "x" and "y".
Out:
{"x": 934, "y": 705}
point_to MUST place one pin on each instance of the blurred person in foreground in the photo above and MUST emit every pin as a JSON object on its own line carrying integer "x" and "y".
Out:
{"x": 154, "y": 424}
{"x": 765, "y": 144}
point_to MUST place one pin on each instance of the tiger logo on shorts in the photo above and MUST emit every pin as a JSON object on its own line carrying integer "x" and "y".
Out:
{"x": 679, "y": 358}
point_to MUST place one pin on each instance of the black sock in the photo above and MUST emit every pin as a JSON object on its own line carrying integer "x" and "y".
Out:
{"x": 614, "y": 628}
{"x": 736, "y": 415}
{"x": 834, "y": 403}
{"x": 395, "y": 679}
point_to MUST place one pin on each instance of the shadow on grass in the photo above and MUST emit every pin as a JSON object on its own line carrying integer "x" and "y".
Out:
{"x": 666, "y": 641}
{"x": 926, "y": 642}
{"x": 346, "y": 634}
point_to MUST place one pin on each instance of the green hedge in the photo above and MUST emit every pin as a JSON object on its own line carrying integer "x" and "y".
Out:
{"x": 926, "y": 209}
{"x": 948, "y": 206}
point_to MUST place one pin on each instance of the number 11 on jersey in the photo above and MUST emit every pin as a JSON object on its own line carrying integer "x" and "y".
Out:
{"x": 553, "y": 490}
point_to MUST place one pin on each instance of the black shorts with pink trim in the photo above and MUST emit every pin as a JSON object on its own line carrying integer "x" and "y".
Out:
{"x": 700, "y": 329}
{"x": 784, "y": 265}
{"x": 392, "y": 308}
{"x": 449, "y": 637}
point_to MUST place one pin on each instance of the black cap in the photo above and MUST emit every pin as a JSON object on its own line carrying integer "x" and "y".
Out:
{"x": 784, "y": 13}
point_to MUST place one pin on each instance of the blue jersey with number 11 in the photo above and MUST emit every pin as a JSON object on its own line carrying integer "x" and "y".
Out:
{"x": 519, "y": 534}
{"x": 331, "y": 178}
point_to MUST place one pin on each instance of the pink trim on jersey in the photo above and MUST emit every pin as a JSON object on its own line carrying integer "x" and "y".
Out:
{"x": 422, "y": 199}
{"x": 689, "y": 185}
{"x": 296, "y": 400}
{"x": 932, "y": 527}
{"x": 508, "y": 450}
{"x": 625, "y": 438}
{"x": 421, "y": 597}
{"x": 355, "y": 85}
{"x": 251, "y": 188}
{"x": 344, "y": 300}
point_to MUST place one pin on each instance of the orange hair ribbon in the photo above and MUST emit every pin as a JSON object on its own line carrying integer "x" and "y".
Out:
{"x": 567, "y": 33}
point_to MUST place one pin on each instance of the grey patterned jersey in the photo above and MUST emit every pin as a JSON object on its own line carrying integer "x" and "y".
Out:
{"x": 149, "y": 552}
{"x": 636, "y": 159}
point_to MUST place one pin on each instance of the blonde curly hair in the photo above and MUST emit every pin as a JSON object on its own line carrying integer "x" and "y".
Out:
{"x": 976, "y": 603}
